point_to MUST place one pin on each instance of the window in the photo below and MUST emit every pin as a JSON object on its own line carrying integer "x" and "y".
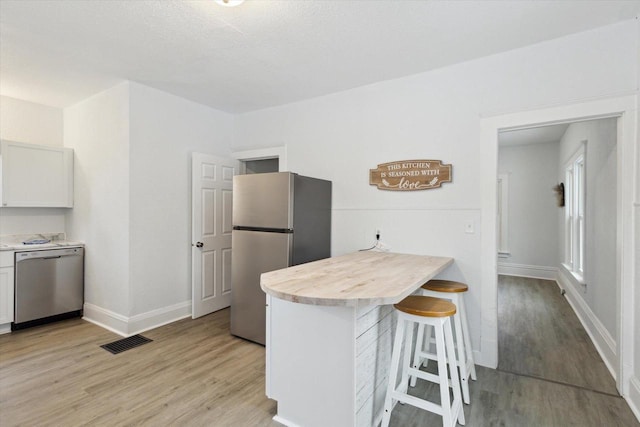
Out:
{"x": 503, "y": 215}
{"x": 575, "y": 176}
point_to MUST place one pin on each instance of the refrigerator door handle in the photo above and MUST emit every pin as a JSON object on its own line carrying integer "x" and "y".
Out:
{"x": 264, "y": 229}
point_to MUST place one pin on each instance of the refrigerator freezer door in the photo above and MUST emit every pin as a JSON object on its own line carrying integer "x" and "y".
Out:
{"x": 254, "y": 252}
{"x": 263, "y": 200}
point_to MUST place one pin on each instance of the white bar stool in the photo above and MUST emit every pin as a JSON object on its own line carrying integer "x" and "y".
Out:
{"x": 436, "y": 313}
{"x": 452, "y": 291}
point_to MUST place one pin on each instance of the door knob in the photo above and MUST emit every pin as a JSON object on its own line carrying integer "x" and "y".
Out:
{"x": 199, "y": 245}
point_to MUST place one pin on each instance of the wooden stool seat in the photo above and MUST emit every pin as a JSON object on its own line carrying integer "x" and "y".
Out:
{"x": 426, "y": 306}
{"x": 445, "y": 286}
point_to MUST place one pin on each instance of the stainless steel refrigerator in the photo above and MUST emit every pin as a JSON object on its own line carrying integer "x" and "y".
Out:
{"x": 279, "y": 219}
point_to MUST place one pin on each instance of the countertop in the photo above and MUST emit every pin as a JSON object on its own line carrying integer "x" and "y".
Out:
{"x": 355, "y": 279}
{"x": 14, "y": 242}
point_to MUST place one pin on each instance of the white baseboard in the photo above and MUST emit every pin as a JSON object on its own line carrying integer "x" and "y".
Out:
{"x": 634, "y": 396}
{"x": 106, "y": 319}
{"x": 488, "y": 357}
{"x": 127, "y": 326}
{"x": 162, "y": 316}
{"x": 284, "y": 422}
{"x": 5, "y": 328}
{"x": 601, "y": 338}
{"x": 523, "y": 270}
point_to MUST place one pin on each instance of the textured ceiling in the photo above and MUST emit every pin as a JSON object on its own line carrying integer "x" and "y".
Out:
{"x": 263, "y": 53}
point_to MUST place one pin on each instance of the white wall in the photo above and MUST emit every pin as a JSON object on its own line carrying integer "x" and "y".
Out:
{"x": 31, "y": 123}
{"x": 635, "y": 386}
{"x": 98, "y": 131}
{"x": 133, "y": 148}
{"x": 435, "y": 115}
{"x": 600, "y": 215}
{"x": 635, "y": 381}
{"x": 165, "y": 130}
{"x": 532, "y": 207}
{"x": 24, "y": 121}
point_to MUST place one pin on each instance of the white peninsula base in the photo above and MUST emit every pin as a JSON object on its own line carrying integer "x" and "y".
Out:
{"x": 328, "y": 365}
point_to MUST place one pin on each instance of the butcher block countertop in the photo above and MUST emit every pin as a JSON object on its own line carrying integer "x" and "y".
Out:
{"x": 355, "y": 279}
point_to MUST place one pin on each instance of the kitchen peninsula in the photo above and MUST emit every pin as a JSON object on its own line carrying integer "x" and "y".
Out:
{"x": 330, "y": 328}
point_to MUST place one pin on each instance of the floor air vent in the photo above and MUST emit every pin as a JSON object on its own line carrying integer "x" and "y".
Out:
{"x": 125, "y": 344}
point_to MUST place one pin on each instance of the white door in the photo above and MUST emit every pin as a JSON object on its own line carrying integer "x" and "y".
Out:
{"x": 211, "y": 203}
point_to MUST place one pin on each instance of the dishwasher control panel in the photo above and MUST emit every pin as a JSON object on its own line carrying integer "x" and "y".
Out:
{"x": 20, "y": 256}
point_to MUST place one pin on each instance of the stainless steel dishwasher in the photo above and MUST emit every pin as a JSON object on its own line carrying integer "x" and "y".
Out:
{"x": 49, "y": 286}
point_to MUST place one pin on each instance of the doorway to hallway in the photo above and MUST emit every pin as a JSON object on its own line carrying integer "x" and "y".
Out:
{"x": 567, "y": 235}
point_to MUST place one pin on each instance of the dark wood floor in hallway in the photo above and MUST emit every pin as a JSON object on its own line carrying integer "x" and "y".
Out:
{"x": 541, "y": 336}
{"x": 195, "y": 374}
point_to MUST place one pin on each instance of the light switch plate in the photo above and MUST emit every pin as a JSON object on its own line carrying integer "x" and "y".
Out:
{"x": 469, "y": 227}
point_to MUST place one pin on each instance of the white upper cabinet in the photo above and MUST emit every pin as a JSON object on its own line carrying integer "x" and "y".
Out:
{"x": 36, "y": 175}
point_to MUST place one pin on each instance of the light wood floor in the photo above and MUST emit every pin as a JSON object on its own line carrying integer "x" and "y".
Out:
{"x": 195, "y": 374}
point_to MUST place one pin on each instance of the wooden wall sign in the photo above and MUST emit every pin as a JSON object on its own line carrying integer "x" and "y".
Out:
{"x": 410, "y": 175}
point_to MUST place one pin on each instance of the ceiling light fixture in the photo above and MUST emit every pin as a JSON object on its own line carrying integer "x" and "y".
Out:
{"x": 229, "y": 3}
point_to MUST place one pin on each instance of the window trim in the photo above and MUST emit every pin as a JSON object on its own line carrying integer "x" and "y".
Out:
{"x": 503, "y": 215}
{"x": 574, "y": 215}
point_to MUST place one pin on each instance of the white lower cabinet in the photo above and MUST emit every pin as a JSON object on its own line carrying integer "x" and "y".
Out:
{"x": 6, "y": 291}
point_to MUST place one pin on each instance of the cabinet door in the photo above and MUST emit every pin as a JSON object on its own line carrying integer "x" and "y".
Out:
{"x": 36, "y": 175}
{"x": 6, "y": 295}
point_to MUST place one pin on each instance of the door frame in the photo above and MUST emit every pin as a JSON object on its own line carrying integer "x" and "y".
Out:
{"x": 279, "y": 153}
{"x": 625, "y": 109}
